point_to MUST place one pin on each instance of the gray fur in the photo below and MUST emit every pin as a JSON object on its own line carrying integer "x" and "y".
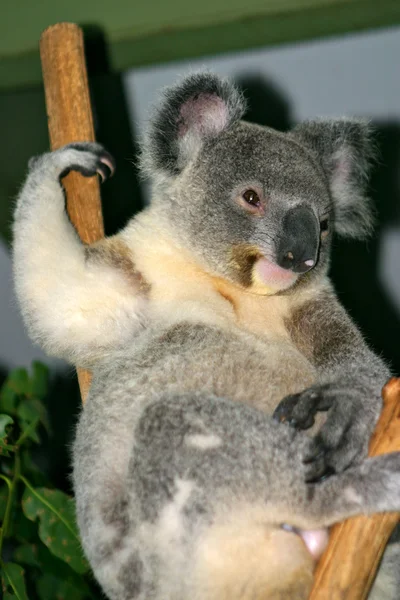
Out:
{"x": 163, "y": 153}
{"x": 176, "y": 437}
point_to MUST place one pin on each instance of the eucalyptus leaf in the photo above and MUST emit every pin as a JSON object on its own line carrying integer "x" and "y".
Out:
{"x": 5, "y": 422}
{"x": 54, "y": 565}
{"x": 22, "y": 529}
{"x": 27, "y": 554}
{"x": 42, "y": 536}
{"x": 8, "y": 399}
{"x": 3, "y": 498}
{"x": 57, "y": 527}
{"x": 17, "y": 384}
{"x": 18, "y": 381}
{"x": 13, "y": 581}
{"x": 4, "y": 451}
{"x": 31, "y": 469}
{"x": 41, "y": 412}
{"x": 39, "y": 380}
{"x": 71, "y": 588}
{"x": 28, "y": 416}
{"x": 57, "y": 579}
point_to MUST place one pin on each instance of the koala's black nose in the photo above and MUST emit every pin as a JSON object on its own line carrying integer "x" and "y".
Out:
{"x": 299, "y": 241}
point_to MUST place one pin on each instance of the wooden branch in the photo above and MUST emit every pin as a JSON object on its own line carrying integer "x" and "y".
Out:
{"x": 348, "y": 567}
{"x": 70, "y": 120}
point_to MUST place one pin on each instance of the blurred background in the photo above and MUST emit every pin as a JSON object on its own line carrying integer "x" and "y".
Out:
{"x": 294, "y": 60}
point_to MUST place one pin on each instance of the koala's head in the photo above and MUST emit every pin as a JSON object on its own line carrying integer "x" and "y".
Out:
{"x": 254, "y": 205}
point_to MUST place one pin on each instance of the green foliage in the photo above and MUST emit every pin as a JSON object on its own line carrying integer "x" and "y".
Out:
{"x": 40, "y": 551}
{"x": 5, "y": 421}
{"x": 57, "y": 529}
{"x": 13, "y": 581}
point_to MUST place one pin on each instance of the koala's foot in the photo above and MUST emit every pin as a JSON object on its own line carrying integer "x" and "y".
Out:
{"x": 88, "y": 158}
{"x": 299, "y": 410}
{"x": 344, "y": 437}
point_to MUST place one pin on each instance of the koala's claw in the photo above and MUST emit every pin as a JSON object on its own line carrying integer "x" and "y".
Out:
{"x": 318, "y": 475}
{"x": 299, "y": 410}
{"x": 315, "y": 461}
{"x": 94, "y": 160}
{"x": 285, "y": 408}
{"x": 342, "y": 439}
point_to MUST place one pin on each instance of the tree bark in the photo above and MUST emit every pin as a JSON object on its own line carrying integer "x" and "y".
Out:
{"x": 347, "y": 569}
{"x": 70, "y": 120}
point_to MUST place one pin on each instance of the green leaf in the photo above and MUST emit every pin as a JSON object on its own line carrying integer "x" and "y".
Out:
{"x": 22, "y": 529}
{"x": 57, "y": 579}
{"x": 31, "y": 469}
{"x": 5, "y": 423}
{"x": 57, "y": 527}
{"x": 12, "y": 576}
{"x": 8, "y": 400}
{"x": 72, "y": 588}
{"x": 18, "y": 381}
{"x": 41, "y": 412}
{"x": 39, "y": 381}
{"x": 28, "y": 416}
{"x": 16, "y": 384}
{"x": 3, "y": 450}
{"x": 3, "y": 499}
{"x": 27, "y": 554}
{"x": 55, "y": 566}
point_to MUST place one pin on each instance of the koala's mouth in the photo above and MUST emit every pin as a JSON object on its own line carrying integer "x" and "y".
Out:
{"x": 315, "y": 540}
{"x": 259, "y": 274}
{"x": 272, "y": 275}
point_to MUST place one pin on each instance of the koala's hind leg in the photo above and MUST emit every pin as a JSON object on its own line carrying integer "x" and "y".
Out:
{"x": 228, "y": 461}
{"x": 76, "y": 302}
{"x": 198, "y": 489}
{"x": 373, "y": 486}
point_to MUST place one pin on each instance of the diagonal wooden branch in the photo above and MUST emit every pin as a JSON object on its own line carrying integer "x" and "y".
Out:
{"x": 348, "y": 566}
{"x": 70, "y": 120}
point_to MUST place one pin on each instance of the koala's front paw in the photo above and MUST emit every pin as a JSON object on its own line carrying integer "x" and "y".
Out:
{"x": 87, "y": 158}
{"x": 299, "y": 410}
{"x": 344, "y": 436}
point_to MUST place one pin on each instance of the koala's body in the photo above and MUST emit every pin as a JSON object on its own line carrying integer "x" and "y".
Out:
{"x": 211, "y": 310}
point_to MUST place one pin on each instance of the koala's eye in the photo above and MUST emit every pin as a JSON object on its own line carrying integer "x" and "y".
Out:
{"x": 324, "y": 225}
{"x": 252, "y": 198}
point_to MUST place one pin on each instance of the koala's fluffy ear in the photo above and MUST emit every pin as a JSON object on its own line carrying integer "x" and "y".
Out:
{"x": 200, "y": 107}
{"x": 345, "y": 150}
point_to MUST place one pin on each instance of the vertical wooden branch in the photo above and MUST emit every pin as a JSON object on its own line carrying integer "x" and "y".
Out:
{"x": 70, "y": 120}
{"x": 347, "y": 568}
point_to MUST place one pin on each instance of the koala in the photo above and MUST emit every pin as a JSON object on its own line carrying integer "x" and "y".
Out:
{"x": 216, "y": 341}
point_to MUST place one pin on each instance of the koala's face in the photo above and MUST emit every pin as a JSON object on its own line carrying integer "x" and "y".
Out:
{"x": 255, "y": 206}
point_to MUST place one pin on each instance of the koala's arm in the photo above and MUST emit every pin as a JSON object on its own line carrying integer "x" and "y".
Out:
{"x": 350, "y": 381}
{"x": 77, "y": 301}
